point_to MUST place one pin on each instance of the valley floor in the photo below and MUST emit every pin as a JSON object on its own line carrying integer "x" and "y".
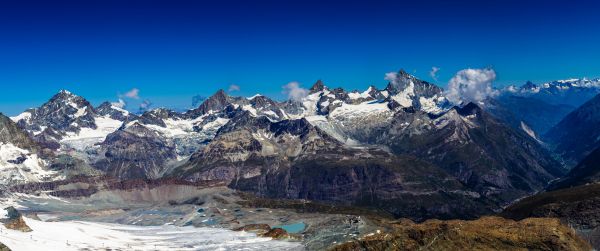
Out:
{"x": 184, "y": 217}
{"x": 169, "y": 217}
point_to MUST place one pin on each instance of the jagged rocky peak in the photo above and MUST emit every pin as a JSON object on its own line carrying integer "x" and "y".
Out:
{"x": 528, "y": 85}
{"x": 260, "y": 101}
{"x": 407, "y": 91}
{"x": 67, "y": 99}
{"x": 64, "y": 112}
{"x": 214, "y": 103}
{"x": 403, "y": 82}
{"x": 112, "y": 111}
{"x": 317, "y": 87}
{"x": 469, "y": 109}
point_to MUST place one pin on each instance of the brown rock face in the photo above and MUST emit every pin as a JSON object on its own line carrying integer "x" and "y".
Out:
{"x": 277, "y": 233}
{"x": 4, "y": 248}
{"x": 18, "y": 224}
{"x": 265, "y": 230}
{"x": 15, "y": 221}
{"x": 487, "y": 233}
{"x": 579, "y": 207}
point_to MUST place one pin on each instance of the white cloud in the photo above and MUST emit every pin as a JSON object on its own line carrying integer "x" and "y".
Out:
{"x": 120, "y": 104}
{"x": 433, "y": 73}
{"x": 471, "y": 85}
{"x": 133, "y": 93}
{"x": 145, "y": 106}
{"x": 233, "y": 88}
{"x": 294, "y": 91}
{"x": 391, "y": 76}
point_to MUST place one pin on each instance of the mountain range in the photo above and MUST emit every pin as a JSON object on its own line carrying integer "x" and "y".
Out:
{"x": 405, "y": 148}
{"x": 404, "y": 151}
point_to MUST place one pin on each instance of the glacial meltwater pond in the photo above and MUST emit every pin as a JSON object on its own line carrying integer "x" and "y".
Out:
{"x": 294, "y": 228}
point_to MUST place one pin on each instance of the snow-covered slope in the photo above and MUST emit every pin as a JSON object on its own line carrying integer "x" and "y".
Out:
{"x": 80, "y": 235}
{"x": 19, "y": 156}
{"x": 18, "y": 165}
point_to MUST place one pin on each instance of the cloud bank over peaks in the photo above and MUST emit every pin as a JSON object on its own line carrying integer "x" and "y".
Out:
{"x": 471, "y": 85}
{"x": 133, "y": 93}
{"x": 294, "y": 91}
{"x": 433, "y": 73}
{"x": 233, "y": 88}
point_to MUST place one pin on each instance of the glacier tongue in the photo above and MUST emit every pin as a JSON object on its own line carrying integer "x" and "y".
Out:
{"x": 87, "y": 137}
{"x": 82, "y": 235}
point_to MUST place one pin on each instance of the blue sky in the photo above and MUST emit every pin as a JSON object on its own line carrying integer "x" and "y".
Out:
{"x": 173, "y": 50}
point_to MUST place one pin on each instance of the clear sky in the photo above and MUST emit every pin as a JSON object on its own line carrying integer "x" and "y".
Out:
{"x": 173, "y": 50}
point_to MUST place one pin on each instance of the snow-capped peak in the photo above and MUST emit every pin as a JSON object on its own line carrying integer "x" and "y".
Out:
{"x": 63, "y": 91}
{"x": 555, "y": 86}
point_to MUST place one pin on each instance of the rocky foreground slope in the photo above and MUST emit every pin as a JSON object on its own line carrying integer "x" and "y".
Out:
{"x": 577, "y": 207}
{"x": 488, "y": 233}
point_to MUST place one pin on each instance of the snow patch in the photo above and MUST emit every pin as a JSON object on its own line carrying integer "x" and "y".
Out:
{"x": 404, "y": 98}
{"x": 250, "y": 109}
{"x": 89, "y": 136}
{"x": 3, "y": 213}
{"x": 23, "y": 116}
{"x": 251, "y": 98}
{"x": 529, "y": 131}
{"x": 356, "y": 95}
{"x": 430, "y": 105}
{"x": 359, "y": 110}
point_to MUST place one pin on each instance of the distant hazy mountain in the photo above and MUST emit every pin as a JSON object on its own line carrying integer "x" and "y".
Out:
{"x": 586, "y": 172}
{"x": 529, "y": 114}
{"x": 535, "y": 109}
{"x": 572, "y": 92}
{"x": 577, "y": 135}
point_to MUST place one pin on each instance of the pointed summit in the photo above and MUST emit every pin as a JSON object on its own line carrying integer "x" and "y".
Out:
{"x": 402, "y": 80}
{"x": 63, "y": 94}
{"x": 402, "y": 72}
{"x": 216, "y": 102}
{"x": 399, "y": 81}
{"x": 317, "y": 87}
{"x": 219, "y": 93}
{"x": 63, "y": 91}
